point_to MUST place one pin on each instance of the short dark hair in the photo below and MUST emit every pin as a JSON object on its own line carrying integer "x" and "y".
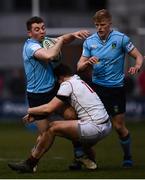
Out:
{"x": 101, "y": 15}
{"x": 33, "y": 20}
{"x": 63, "y": 70}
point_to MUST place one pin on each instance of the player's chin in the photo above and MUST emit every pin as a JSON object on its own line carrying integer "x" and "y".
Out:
{"x": 101, "y": 33}
{"x": 41, "y": 38}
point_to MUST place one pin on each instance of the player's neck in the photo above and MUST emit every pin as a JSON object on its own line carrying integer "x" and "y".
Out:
{"x": 105, "y": 37}
{"x": 67, "y": 78}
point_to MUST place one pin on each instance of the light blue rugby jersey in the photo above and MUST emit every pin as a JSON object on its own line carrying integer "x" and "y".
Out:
{"x": 39, "y": 74}
{"x": 109, "y": 71}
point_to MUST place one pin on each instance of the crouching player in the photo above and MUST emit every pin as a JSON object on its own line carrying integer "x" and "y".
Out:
{"x": 92, "y": 125}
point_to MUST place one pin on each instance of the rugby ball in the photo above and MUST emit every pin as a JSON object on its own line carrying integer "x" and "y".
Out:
{"x": 48, "y": 43}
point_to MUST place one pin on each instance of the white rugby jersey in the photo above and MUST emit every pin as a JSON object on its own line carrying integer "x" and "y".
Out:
{"x": 84, "y": 100}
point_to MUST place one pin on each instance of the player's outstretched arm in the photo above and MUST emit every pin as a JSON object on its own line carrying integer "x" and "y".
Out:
{"x": 48, "y": 108}
{"x": 82, "y": 34}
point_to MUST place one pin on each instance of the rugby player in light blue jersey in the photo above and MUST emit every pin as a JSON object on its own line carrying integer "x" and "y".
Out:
{"x": 41, "y": 82}
{"x": 105, "y": 51}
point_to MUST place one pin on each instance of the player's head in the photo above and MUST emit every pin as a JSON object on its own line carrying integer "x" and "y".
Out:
{"x": 63, "y": 71}
{"x": 103, "y": 21}
{"x": 36, "y": 28}
{"x": 102, "y": 15}
{"x": 33, "y": 20}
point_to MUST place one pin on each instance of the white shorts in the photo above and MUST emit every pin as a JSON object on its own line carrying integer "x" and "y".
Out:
{"x": 90, "y": 132}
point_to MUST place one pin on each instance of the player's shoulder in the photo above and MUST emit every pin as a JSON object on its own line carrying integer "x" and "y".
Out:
{"x": 73, "y": 80}
{"x": 30, "y": 41}
{"x": 32, "y": 44}
{"x": 92, "y": 37}
{"x": 117, "y": 33}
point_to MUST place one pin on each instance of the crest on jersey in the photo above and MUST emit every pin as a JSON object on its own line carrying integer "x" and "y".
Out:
{"x": 114, "y": 44}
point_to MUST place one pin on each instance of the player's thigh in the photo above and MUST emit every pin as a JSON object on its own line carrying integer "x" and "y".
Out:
{"x": 68, "y": 129}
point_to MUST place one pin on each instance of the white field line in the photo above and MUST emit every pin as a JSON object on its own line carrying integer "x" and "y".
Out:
{"x": 15, "y": 159}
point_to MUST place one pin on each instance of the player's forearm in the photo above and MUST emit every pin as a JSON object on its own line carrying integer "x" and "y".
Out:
{"x": 39, "y": 110}
{"x": 82, "y": 34}
{"x": 82, "y": 65}
{"x": 139, "y": 61}
{"x": 138, "y": 57}
{"x": 68, "y": 38}
{"x": 50, "y": 53}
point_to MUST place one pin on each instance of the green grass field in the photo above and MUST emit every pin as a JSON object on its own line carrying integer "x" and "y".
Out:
{"x": 16, "y": 142}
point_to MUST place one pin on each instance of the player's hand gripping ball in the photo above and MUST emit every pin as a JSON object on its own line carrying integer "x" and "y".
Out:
{"x": 48, "y": 43}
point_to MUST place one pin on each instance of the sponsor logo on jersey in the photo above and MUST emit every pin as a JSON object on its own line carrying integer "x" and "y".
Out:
{"x": 93, "y": 46}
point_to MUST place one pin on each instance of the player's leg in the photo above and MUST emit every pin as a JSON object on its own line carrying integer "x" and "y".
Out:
{"x": 36, "y": 99}
{"x": 41, "y": 121}
{"x": 67, "y": 129}
{"x": 125, "y": 139}
{"x": 114, "y": 100}
{"x": 42, "y": 125}
{"x": 118, "y": 119}
{"x": 30, "y": 165}
{"x": 68, "y": 113}
{"x": 90, "y": 134}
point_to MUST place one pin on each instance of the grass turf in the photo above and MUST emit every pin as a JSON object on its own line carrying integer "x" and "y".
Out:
{"x": 16, "y": 142}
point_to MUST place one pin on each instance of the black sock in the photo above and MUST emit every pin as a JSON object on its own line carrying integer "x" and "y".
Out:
{"x": 126, "y": 143}
{"x": 32, "y": 161}
{"x": 78, "y": 149}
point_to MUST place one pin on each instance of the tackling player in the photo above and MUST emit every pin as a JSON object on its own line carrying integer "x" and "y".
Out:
{"x": 92, "y": 125}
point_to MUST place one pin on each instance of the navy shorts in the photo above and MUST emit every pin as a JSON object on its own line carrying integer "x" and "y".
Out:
{"x": 114, "y": 99}
{"x": 37, "y": 99}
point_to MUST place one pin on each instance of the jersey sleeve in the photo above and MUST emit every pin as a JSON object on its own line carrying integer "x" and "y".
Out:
{"x": 65, "y": 89}
{"x": 32, "y": 48}
{"x": 127, "y": 44}
{"x": 86, "y": 51}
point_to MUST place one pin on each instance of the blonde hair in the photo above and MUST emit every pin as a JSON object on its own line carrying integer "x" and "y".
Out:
{"x": 102, "y": 15}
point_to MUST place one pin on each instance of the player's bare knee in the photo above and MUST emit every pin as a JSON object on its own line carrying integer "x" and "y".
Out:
{"x": 53, "y": 128}
{"x": 56, "y": 129}
{"x": 118, "y": 125}
{"x": 120, "y": 128}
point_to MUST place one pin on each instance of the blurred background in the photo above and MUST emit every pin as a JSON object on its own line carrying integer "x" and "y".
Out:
{"x": 62, "y": 16}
